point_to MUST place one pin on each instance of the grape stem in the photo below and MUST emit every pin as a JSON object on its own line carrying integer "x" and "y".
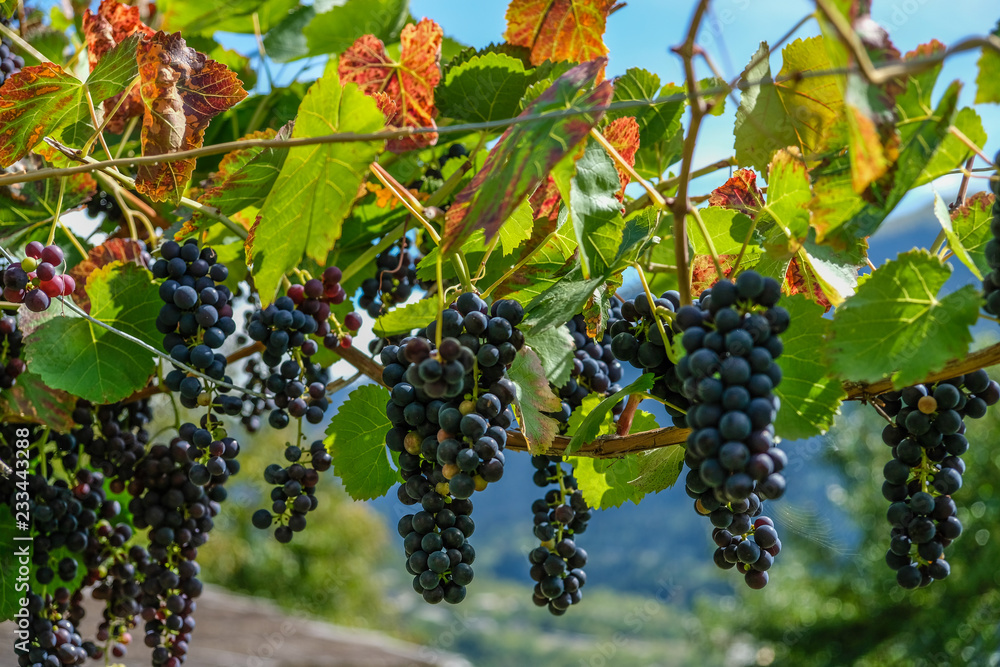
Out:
{"x": 58, "y": 213}
{"x": 652, "y": 303}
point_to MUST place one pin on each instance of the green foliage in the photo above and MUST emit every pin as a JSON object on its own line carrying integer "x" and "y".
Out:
{"x": 897, "y": 324}
{"x": 810, "y": 398}
{"x": 313, "y": 193}
{"x": 554, "y": 348}
{"x": 954, "y": 240}
{"x": 762, "y": 124}
{"x": 591, "y": 426}
{"x": 88, "y": 361}
{"x": 534, "y": 397}
{"x": 483, "y": 88}
{"x": 355, "y": 439}
{"x": 660, "y": 132}
{"x": 406, "y": 318}
{"x": 971, "y": 225}
{"x": 595, "y": 211}
{"x": 988, "y": 76}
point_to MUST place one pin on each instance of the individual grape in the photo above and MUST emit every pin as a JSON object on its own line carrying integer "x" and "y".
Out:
{"x": 991, "y": 281}
{"x": 927, "y": 440}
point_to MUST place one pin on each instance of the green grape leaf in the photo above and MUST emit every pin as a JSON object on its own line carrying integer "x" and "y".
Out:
{"x": 484, "y": 88}
{"x": 404, "y": 319}
{"x": 207, "y": 18}
{"x": 810, "y": 398}
{"x": 954, "y": 241}
{"x": 988, "y": 76}
{"x": 595, "y": 211}
{"x": 554, "y": 348}
{"x": 762, "y": 124}
{"x": 87, "y": 360}
{"x": 517, "y": 228}
{"x": 590, "y": 427}
{"x": 788, "y": 198}
{"x": 814, "y": 104}
{"x": 953, "y": 152}
{"x": 559, "y": 303}
{"x": 658, "y": 469}
{"x": 728, "y": 229}
{"x": 534, "y": 397}
{"x": 896, "y": 324}
{"x": 526, "y": 153}
{"x": 303, "y": 214}
{"x": 971, "y": 222}
{"x": 355, "y": 439}
{"x": 606, "y": 482}
{"x": 332, "y": 31}
{"x": 286, "y": 41}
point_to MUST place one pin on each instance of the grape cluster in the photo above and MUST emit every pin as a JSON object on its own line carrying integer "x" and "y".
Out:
{"x": 991, "y": 281}
{"x": 33, "y": 281}
{"x": 176, "y": 493}
{"x": 293, "y": 495}
{"x": 196, "y": 317}
{"x": 745, "y": 538}
{"x": 54, "y": 642}
{"x": 595, "y": 368}
{"x": 731, "y": 336}
{"x": 105, "y": 203}
{"x": 637, "y": 339}
{"x": 10, "y": 62}
{"x": 393, "y": 284}
{"x": 926, "y": 468}
{"x": 449, "y": 409}
{"x": 11, "y": 363}
{"x": 114, "y": 437}
{"x": 557, "y": 563}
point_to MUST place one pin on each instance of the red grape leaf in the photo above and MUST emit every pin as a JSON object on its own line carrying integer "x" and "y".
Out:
{"x": 526, "y": 153}
{"x": 559, "y": 30}
{"x": 112, "y": 250}
{"x": 800, "y": 279}
{"x": 409, "y": 84}
{"x": 704, "y": 274}
{"x": 623, "y": 134}
{"x": 740, "y": 192}
{"x": 182, "y": 90}
{"x": 110, "y": 26}
{"x": 31, "y": 400}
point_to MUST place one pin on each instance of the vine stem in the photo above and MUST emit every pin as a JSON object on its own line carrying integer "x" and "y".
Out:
{"x": 625, "y": 419}
{"x": 681, "y": 205}
{"x": 58, "y": 213}
{"x": 107, "y": 119}
{"x": 652, "y": 302}
{"x": 407, "y": 199}
{"x": 961, "y": 136}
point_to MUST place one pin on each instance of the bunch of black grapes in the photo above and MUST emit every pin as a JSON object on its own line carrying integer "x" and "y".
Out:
{"x": 394, "y": 281}
{"x": 928, "y": 440}
{"x": 595, "y": 368}
{"x": 450, "y": 408}
{"x": 638, "y": 340}
{"x": 10, "y": 62}
{"x": 728, "y": 374}
{"x": 559, "y": 517}
{"x": 293, "y": 495}
{"x": 196, "y": 318}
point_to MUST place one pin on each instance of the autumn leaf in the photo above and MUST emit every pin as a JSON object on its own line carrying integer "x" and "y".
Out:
{"x": 113, "y": 23}
{"x": 409, "y": 84}
{"x": 182, "y": 90}
{"x": 801, "y": 280}
{"x": 112, "y": 250}
{"x": 704, "y": 274}
{"x": 740, "y": 192}
{"x": 559, "y": 30}
{"x": 623, "y": 134}
{"x": 525, "y": 154}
